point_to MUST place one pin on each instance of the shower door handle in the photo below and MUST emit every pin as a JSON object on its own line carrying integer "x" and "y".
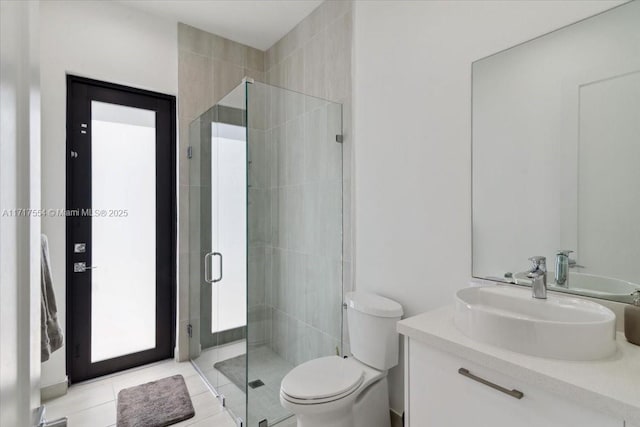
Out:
{"x": 220, "y": 277}
{"x": 208, "y": 274}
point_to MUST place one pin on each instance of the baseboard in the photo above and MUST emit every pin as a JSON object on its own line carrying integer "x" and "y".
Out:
{"x": 54, "y": 390}
{"x": 396, "y": 419}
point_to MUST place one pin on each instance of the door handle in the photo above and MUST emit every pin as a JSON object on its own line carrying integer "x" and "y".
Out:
{"x": 208, "y": 274}
{"x": 219, "y": 278}
{"x": 81, "y": 267}
{"x": 207, "y": 267}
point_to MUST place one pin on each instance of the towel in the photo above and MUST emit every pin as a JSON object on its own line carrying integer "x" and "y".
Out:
{"x": 51, "y": 334}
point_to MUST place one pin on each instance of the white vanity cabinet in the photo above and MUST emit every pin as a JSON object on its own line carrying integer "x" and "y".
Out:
{"x": 437, "y": 395}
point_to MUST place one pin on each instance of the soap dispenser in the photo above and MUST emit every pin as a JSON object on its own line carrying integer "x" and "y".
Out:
{"x": 632, "y": 320}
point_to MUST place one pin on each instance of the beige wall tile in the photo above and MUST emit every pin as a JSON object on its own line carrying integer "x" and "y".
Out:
{"x": 338, "y": 54}
{"x": 313, "y": 24}
{"x": 194, "y": 40}
{"x": 315, "y": 66}
{"x": 335, "y": 9}
{"x": 226, "y": 76}
{"x": 228, "y": 50}
{"x": 294, "y": 71}
{"x": 195, "y": 84}
{"x": 258, "y": 76}
{"x": 254, "y": 59}
{"x": 183, "y": 162}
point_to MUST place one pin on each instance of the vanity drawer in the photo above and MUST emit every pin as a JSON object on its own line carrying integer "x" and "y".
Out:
{"x": 440, "y": 394}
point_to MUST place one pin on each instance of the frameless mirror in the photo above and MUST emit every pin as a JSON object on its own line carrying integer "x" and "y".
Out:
{"x": 556, "y": 157}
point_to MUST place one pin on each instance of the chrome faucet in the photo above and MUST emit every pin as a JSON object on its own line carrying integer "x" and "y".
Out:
{"x": 562, "y": 268}
{"x": 563, "y": 265}
{"x": 538, "y": 276}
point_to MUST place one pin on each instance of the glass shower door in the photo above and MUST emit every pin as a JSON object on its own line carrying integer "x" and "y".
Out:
{"x": 218, "y": 273}
{"x": 266, "y": 243}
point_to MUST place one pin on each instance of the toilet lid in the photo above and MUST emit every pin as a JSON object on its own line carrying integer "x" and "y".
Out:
{"x": 322, "y": 378}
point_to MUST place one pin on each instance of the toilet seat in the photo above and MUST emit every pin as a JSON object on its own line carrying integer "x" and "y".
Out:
{"x": 322, "y": 380}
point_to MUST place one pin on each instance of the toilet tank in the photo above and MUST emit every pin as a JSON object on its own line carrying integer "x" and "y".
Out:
{"x": 372, "y": 329}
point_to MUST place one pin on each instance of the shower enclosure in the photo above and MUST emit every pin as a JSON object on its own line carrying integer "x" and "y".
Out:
{"x": 265, "y": 218}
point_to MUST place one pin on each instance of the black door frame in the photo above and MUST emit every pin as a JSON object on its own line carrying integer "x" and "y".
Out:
{"x": 78, "y": 315}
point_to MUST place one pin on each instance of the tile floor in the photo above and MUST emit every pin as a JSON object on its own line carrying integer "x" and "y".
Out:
{"x": 93, "y": 403}
{"x": 264, "y": 364}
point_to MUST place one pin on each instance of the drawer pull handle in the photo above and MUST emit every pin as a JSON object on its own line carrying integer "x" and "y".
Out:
{"x": 513, "y": 393}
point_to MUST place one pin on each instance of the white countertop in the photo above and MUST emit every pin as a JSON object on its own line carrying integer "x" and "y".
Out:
{"x": 611, "y": 386}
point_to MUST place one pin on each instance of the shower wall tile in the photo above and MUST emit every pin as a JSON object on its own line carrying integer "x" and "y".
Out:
{"x": 312, "y": 343}
{"x": 195, "y": 84}
{"x": 226, "y": 76}
{"x": 347, "y": 236}
{"x": 183, "y": 294}
{"x": 254, "y": 59}
{"x": 272, "y": 137}
{"x": 324, "y": 295}
{"x": 295, "y": 340}
{"x": 294, "y": 152}
{"x": 294, "y": 71}
{"x": 273, "y": 201}
{"x": 258, "y": 160}
{"x": 209, "y": 67}
{"x": 195, "y": 277}
{"x": 228, "y": 50}
{"x": 295, "y": 289}
{"x": 257, "y": 111}
{"x": 312, "y": 24}
{"x": 282, "y": 218}
{"x": 268, "y": 325}
{"x": 279, "y": 341}
{"x": 295, "y": 228}
{"x": 257, "y": 220}
{"x": 183, "y": 214}
{"x": 347, "y": 281}
{"x": 336, "y": 9}
{"x": 194, "y": 224}
{"x": 190, "y": 137}
{"x": 191, "y": 39}
{"x": 309, "y": 184}
{"x": 257, "y": 325}
{"x": 184, "y": 170}
{"x": 338, "y": 54}
{"x": 316, "y": 145}
{"x": 259, "y": 76}
{"x": 279, "y": 282}
{"x": 268, "y": 276}
{"x": 315, "y": 66}
{"x": 256, "y": 273}
{"x": 294, "y": 105}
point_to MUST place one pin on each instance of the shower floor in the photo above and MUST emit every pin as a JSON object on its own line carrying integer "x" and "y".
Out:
{"x": 264, "y": 365}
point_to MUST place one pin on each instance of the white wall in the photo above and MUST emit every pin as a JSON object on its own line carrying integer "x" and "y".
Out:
{"x": 105, "y": 41}
{"x": 412, "y": 100}
{"x": 19, "y": 235}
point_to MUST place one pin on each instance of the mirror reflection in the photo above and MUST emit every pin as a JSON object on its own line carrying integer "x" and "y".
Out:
{"x": 556, "y": 155}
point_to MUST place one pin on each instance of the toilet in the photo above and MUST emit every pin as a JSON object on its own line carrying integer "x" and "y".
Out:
{"x": 349, "y": 392}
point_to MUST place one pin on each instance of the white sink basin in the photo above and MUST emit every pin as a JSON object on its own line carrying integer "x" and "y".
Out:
{"x": 559, "y": 327}
{"x": 589, "y": 285}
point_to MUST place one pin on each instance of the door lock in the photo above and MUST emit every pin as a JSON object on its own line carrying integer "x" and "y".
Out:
{"x": 81, "y": 267}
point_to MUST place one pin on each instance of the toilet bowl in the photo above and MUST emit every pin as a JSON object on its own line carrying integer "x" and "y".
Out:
{"x": 347, "y": 392}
